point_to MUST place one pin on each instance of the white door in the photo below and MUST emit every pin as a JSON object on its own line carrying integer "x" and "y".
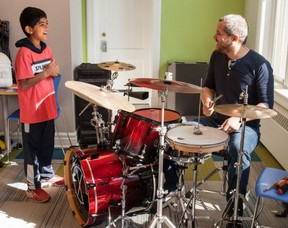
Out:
{"x": 126, "y": 31}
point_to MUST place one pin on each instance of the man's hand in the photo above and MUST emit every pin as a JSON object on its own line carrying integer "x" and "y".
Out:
{"x": 208, "y": 108}
{"x": 232, "y": 124}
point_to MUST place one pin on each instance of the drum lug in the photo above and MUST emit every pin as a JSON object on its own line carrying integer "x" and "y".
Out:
{"x": 124, "y": 122}
{"x": 117, "y": 147}
{"x": 142, "y": 151}
{"x": 150, "y": 128}
{"x": 113, "y": 203}
{"x": 91, "y": 185}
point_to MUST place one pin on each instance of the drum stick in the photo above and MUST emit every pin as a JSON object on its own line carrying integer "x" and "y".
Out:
{"x": 269, "y": 187}
{"x": 84, "y": 109}
{"x": 276, "y": 183}
{"x": 216, "y": 99}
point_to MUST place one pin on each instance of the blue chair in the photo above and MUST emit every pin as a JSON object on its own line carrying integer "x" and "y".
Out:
{"x": 264, "y": 189}
{"x": 56, "y": 82}
{"x": 15, "y": 116}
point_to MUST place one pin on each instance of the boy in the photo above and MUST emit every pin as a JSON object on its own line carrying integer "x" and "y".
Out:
{"x": 35, "y": 69}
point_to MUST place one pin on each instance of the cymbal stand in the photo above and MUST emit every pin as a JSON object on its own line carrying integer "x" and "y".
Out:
{"x": 110, "y": 83}
{"x": 236, "y": 194}
{"x": 109, "y": 87}
{"x": 159, "y": 219}
{"x": 100, "y": 128}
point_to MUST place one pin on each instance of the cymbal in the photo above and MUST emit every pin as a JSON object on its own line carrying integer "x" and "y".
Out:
{"x": 163, "y": 85}
{"x": 95, "y": 95}
{"x": 245, "y": 111}
{"x": 116, "y": 66}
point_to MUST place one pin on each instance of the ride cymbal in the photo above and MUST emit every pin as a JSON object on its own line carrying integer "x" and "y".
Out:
{"x": 95, "y": 95}
{"x": 245, "y": 111}
{"x": 163, "y": 85}
{"x": 116, "y": 66}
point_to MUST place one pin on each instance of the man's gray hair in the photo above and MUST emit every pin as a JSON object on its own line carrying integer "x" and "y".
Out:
{"x": 236, "y": 25}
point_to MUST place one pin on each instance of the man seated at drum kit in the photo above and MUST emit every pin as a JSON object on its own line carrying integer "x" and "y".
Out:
{"x": 233, "y": 66}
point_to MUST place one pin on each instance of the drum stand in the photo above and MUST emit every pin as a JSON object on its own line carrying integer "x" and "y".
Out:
{"x": 99, "y": 125}
{"x": 197, "y": 160}
{"x": 125, "y": 220}
{"x": 100, "y": 128}
{"x": 178, "y": 200}
{"x": 159, "y": 219}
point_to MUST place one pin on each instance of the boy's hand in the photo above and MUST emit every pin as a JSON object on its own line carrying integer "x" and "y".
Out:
{"x": 52, "y": 69}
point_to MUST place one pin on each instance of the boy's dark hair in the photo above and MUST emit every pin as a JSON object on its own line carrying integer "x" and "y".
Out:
{"x": 30, "y": 16}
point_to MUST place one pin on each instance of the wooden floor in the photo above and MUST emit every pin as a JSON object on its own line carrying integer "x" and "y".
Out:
{"x": 16, "y": 210}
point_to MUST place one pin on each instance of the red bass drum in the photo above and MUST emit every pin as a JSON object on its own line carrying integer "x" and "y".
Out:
{"x": 93, "y": 179}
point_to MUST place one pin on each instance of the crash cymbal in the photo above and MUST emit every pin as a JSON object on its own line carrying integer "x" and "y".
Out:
{"x": 95, "y": 95}
{"x": 245, "y": 111}
{"x": 163, "y": 85}
{"x": 116, "y": 66}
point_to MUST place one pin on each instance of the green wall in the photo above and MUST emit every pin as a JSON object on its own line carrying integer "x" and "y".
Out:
{"x": 188, "y": 26}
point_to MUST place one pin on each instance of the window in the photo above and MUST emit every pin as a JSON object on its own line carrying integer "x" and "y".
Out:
{"x": 273, "y": 43}
{"x": 273, "y": 36}
{"x": 280, "y": 42}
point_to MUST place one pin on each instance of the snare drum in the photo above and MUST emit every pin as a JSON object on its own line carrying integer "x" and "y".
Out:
{"x": 136, "y": 133}
{"x": 184, "y": 138}
{"x": 93, "y": 179}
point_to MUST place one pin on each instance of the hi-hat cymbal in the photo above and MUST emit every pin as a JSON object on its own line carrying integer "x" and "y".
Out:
{"x": 95, "y": 95}
{"x": 245, "y": 111}
{"x": 163, "y": 85}
{"x": 116, "y": 66}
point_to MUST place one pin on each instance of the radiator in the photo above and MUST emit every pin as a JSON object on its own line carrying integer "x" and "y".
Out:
{"x": 274, "y": 135}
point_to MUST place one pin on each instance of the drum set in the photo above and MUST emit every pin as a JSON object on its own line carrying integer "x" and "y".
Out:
{"x": 123, "y": 174}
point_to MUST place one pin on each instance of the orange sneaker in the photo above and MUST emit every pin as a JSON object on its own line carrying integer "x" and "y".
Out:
{"x": 38, "y": 194}
{"x": 55, "y": 181}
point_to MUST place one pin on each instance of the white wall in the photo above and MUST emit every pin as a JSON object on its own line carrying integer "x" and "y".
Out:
{"x": 65, "y": 39}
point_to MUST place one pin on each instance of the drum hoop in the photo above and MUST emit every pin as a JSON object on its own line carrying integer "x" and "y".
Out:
{"x": 139, "y": 117}
{"x": 200, "y": 146}
{"x": 190, "y": 125}
{"x": 186, "y": 146}
{"x": 70, "y": 192}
